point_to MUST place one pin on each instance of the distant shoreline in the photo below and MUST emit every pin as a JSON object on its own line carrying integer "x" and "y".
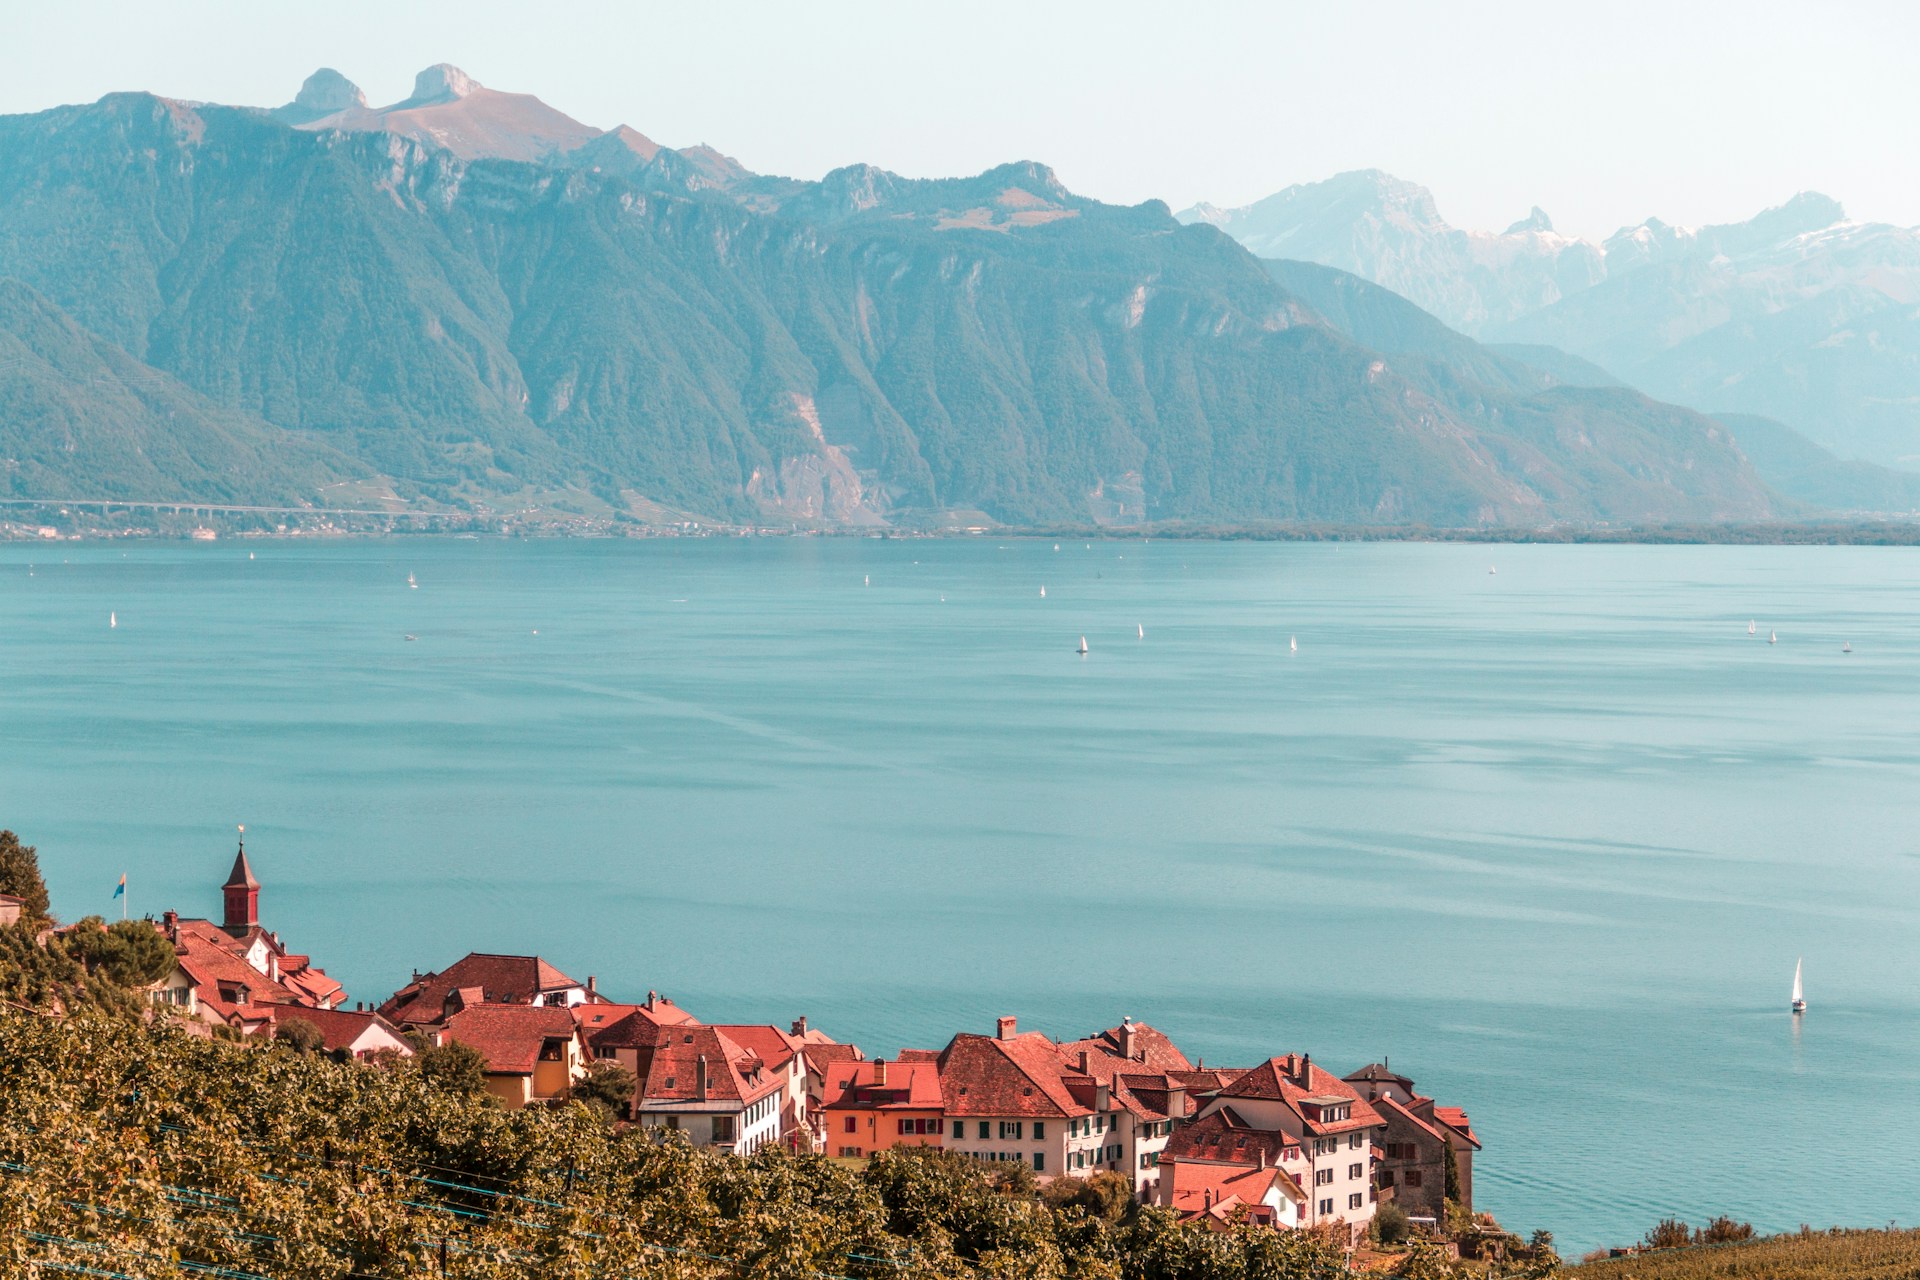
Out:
{"x": 318, "y": 525}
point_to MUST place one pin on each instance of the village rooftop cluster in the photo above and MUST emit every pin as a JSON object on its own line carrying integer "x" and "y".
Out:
{"x": 1285, "y": 1143}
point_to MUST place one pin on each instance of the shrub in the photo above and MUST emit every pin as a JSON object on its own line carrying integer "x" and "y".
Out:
{"x": 455, "y": 1067}
{"x": 299, "y": 1035}
{"x": 607, "y": 1086}
{"x": 1669, "y": 1233}
{"x": 1390, "y": 1225}
{"x": 20, "y": 875}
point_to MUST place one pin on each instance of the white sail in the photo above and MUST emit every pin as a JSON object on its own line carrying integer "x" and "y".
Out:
{"x": 113, "y": 620}
{"x": 1750, "y": 628}
{"x": 1773, "y": 637}
{"x": 1799, "y": 996}
{"x": 1143, "y": 629}
{"x": 1293, "y": 644}
{"x": 1083, "y": 644}
{"x": 1043, "y": 591}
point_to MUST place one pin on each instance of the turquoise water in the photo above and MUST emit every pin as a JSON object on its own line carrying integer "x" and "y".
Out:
{"x": 1550, "y": 838}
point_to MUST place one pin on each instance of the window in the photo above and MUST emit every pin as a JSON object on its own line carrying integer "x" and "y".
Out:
{"x": 1356, "y": 1171}
{"x": 1413, "y": 1177}
{"x": 983, "y": 1131}
{"x": 851, "y": 1125}
{"x": 1355, "y": 1200}
{"x": 1326, "y": 1208}
{"x": 1322, "y": 1177}
{"x": 1039, "y": 1162}
{"x": 1009, "y": 1128}
{"x": 723, "y": 1128}
{"x": 1386, "y": 1178}
{"x": 1039, "y": 1129}
{"x": 1356, "y": 1139}
{"x": 849, "y": 1151}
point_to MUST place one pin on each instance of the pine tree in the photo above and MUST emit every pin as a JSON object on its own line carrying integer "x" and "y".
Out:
{"x": 20, "y": 874}
{"x": 1453, "y": 1175}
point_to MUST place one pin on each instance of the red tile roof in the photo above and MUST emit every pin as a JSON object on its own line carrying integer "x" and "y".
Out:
{"x": 1105, "y": 1051}
{"x": 224, "y": 983}
{"x": 1199, "y": 1189}
{"x": 1224, "y": 1137}
{"x": 340, "y": 1028}
{"x": 503, "y": 979}
{"x": 629, "y": 1026}
{"x": 1019, "y": 1076}
{"x": 736, "y": 1076}
{"x": 775, "y": 1047}
{"x": 509, "y": 1036}
{"x": 1456, "y": 1119}
{"x": 911, "y": 1086}
{"x": 1295, "y": 1080}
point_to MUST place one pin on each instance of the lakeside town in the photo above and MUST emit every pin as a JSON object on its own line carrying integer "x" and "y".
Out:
{"x": 1286, "y": 1143}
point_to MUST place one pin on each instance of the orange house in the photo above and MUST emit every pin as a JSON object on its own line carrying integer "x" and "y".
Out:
{"x": 870, "y": 1106}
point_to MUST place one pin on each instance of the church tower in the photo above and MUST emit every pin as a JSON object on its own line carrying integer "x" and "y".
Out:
{"x": 242, "y": 893}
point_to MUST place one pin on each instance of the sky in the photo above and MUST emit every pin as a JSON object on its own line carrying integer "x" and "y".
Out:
{"x": 1694, "y": 111}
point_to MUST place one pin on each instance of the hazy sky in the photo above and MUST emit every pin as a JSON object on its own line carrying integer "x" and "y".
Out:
{"x": 1602, "y": 113}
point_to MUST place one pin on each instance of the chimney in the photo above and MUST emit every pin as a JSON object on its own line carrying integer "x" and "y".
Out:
{"x": 172, "y": 919}
{"x": 1263, "y": 1156}
{"x": 1004, "y": 1028}
{"x": 1102, "y": 1098}
{"x": 879, "y": 1071}
{"x": 1126, "y": 1039}
{"x": 1209, "y": 1197}
{"x": 800, "y": 1025}
{"x": 1083, "y": 1062}
{"x": 700, "y": 1078}
{"x": 593, "y": 985}
{"x": 1177, "y": 1103}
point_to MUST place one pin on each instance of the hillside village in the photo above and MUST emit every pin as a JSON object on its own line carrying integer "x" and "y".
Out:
{"x": 1285, "y": 1143}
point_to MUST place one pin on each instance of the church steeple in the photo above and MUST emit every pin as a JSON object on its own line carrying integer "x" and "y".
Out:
{"x": 242, "y": 893}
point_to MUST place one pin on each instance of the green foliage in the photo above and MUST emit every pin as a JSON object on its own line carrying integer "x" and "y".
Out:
{"x": 453, "y": 1066}
{"x": 146, "y": 1144}
{"x": 1838, "y": 1254}
{"x": 608, "y": 1086}
{"x": 1390, "y": 1225}
{"x": 20, "y": 875}
{"x": 128, "y": 953}
{"x": 48, "y": 979}
{"x": 1453, "y": 1171}
{"x": 299, "y": 1035}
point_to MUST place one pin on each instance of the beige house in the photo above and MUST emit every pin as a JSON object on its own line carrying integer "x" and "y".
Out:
{"x": 533, "y": 1052}
{"x": 1413, "y": 1166}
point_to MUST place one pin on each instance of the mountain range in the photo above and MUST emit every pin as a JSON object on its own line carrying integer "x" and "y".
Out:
{"x": 469, "y": 301}
{"x": 1799, "y": 313}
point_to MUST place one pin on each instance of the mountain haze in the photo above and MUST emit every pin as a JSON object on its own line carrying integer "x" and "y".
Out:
{"x": 475, "y": 300}
{"x": 1799, "y": 313}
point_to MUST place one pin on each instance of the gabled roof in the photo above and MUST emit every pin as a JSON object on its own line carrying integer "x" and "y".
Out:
{"x": 1150, "y": 1096}
{"x": 1223, "y": 1137}
{"x": 775, "y": 1047}
{"x": 910, "y": 1086}
{"x": 503, "y": 979}
{"x": 1197, "y": 1189}
{"x": 1389, "y": 1108}
{"x": 215, "y": 963}
{"x": 1456, "y": 1119}
{"x": 1106, "y": 1051}
{"x": 736, "y": 1076}
{"x": 342, "y": 1028}
{"x": 1296, "y": 1081}
{"x": 630, "y": 1026}
{"x": 1018, "y": 1076}
{"x": 509, "y": 1036}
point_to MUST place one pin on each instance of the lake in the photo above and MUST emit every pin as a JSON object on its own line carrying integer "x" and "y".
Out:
{"x": 1549, "y": 838}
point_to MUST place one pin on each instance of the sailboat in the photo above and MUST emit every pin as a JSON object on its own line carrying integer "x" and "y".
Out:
{"x": 1043, "y": 591}
{"x": 412, "y": 582}
{"x": 1293, "y": 644}
{"x": 1492, "y": 569}
{"x": 1143, "y": 629}
{"x": 1082, "y": 650}
{"x": 1846, "y": 646}
{"x": 1750, "y": 628}
{"x": 1773, "y": 637}
{"x": 866, "y": 580}
{"x": 113, "y": 620}
{"x": 1799, "y": 995}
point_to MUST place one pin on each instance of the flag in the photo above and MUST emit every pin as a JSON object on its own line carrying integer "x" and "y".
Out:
{"x": 122, "y": 889}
